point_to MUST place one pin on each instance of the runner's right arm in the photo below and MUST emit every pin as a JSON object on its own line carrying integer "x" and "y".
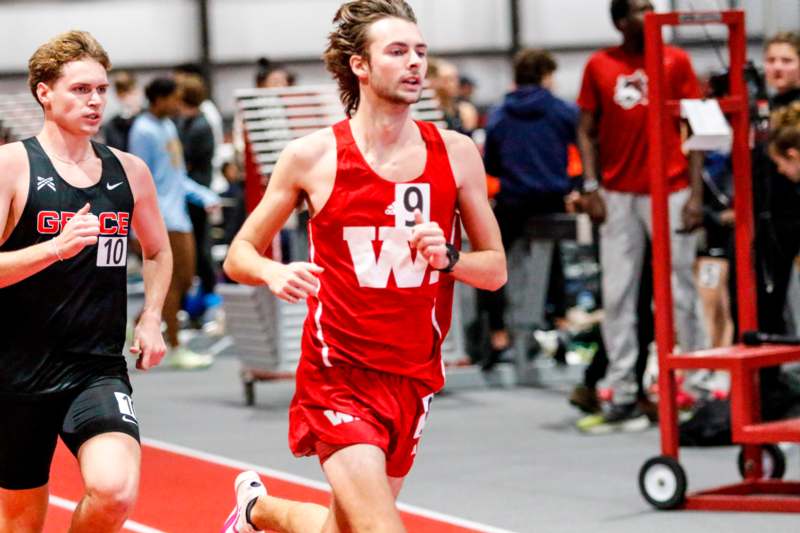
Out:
{"x": 245, "y": 262}
{"x": 17, "y": 265}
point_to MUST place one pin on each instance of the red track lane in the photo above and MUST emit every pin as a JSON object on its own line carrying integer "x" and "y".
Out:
{"x": 58, "y": 520}
{"x": 183, "y": 494}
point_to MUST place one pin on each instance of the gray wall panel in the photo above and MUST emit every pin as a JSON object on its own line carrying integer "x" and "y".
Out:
{"x": 133, "y": 32}
{"x": 247, "y": 29}
{"x": 150, "y": 34}
{"x": 453, "y": 25}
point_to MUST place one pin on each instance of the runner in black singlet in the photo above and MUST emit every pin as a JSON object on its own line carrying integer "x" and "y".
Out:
{"x": 67, "y": 206}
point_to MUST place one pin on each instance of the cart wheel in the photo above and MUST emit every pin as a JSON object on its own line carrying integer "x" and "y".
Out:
{"x": 249, "y": 393}
{"x": 662, "y": 482}
{"x": 773, "y": 462}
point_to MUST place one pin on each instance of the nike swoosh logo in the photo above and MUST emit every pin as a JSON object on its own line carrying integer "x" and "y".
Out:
{"x": 130, "y": 419}
{"x": 112, "y": 187}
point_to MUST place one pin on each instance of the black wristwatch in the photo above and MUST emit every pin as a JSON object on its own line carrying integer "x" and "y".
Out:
{"x": 452, "y": 258}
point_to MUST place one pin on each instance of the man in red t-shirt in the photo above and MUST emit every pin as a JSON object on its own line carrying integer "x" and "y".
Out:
{"x": 612, "y": 137}
{"x": 383, "y": 191}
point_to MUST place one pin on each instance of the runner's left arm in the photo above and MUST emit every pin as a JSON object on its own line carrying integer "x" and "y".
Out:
{"x": 151, "y": 232}
{"x": 485, "y": 266}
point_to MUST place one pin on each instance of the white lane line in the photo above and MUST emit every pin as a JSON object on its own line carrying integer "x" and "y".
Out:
{"x": 129, "y": 524}
{"x": 285, "y": 476}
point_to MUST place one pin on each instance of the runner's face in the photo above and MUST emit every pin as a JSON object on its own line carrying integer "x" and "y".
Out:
{"x": 782, "y": 67}
{"x": 398, "y": 60}
{"x": 77, "y": 99}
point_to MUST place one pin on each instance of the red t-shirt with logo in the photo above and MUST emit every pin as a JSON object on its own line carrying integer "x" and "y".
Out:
{"x": 615, "y": 89}
{"x": 380, "y": 305}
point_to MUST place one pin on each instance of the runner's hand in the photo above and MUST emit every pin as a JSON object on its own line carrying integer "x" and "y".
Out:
{"x": 294, "y": 282}
{"x": 148, "y": 343}
{"x": 428, "y": 238}
{"x": 79, "y": 232}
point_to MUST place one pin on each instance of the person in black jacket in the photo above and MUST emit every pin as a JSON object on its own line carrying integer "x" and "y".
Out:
{"x": 197, "y": 139}
{"x": 778, "y": 199}
{"x": 526, "y": 148}
{"x": 777, "y": 216}
{"x": 115, "y": 131}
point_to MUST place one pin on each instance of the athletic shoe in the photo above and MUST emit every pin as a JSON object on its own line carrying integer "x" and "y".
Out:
{"x": 186, "y": 359}
{"x": 615, "y": 418}
{"x": 248, "y": 487}
{"x": 585, "y": 399}
{"x": 504, "y": 355}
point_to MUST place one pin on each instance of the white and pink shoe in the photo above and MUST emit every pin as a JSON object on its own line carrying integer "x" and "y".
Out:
{"x": 248, "y": 486}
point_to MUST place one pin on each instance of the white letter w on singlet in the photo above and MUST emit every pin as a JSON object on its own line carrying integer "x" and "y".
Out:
{"x": 395, "y": 256}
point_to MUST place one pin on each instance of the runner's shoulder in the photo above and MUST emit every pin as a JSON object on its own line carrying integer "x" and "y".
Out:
{"x": 13, "y": 163}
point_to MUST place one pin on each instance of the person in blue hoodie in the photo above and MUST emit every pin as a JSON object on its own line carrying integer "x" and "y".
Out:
{"x": 527, "y": 138}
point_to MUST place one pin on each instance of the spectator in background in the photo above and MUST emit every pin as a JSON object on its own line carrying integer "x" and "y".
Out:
{"x": 271, "y": 75}
{"x": 612, "y": 137}
{"x": 154, "y": 139}
{"x": 129, "y": 96}
{"x": 526, "y": 148}
{"x": 460, "y": 115}
{"x": 778, "y": 200}
{"x": 784, "y": 148}
{"x": 777, "y": 215}
{"x": 466, "y": 89}
{"x": 782, "y": 67}
{"x": 197, "y": 140}
{"x": 208, "y": 107}
{"x": 233, "y": 213}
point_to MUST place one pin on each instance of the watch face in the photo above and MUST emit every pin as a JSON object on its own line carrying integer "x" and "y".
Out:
{"x": 590, "y": 186}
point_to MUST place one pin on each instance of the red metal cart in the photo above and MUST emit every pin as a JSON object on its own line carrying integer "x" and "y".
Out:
{"x": 662, "y": 480}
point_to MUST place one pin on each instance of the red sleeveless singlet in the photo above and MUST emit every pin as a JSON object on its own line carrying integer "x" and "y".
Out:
{"x": 380, "y": 306}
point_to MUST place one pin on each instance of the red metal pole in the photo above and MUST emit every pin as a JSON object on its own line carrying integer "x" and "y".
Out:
{"x": 658, "y": 121}
{"x": 743, "y": 181}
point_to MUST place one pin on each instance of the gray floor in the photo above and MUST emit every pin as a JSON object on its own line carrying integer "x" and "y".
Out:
{"x": 509, "y": 458}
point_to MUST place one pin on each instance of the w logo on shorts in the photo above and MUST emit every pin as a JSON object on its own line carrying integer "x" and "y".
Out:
{"x": 337, "y": 418}
{"x": 125, "y": 405}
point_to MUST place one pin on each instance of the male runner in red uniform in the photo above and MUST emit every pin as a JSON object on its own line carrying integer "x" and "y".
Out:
{"x": 67, "y": 206}
{"x": 383, "y": 192}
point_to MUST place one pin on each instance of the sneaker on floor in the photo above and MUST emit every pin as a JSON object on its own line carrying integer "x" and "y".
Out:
{"x": 585, "y": 399}
{"x": 248, "y": 487}
{"x": 615, "y": 418}
{"x": 615, "y": 413}
{"x": 186, "y": 359}
{"x": 503, "y": 355}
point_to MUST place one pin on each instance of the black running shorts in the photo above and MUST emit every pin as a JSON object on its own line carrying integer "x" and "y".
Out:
{"x": 31, "y": 425}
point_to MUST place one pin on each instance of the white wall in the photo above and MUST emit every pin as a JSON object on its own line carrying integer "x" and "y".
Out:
{"x": 140, "y": 32}
{"x": 162, "y": 33}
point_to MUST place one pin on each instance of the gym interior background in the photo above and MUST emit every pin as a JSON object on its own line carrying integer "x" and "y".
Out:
{"x": 493, "y": 458}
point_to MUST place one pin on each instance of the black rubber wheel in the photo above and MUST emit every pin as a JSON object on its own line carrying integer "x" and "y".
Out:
{"x": 662, "y": 482}
{"x": 773, "y": 462}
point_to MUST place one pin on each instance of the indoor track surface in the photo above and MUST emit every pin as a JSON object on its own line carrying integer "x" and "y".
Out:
{"x": 500, "y": 460}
